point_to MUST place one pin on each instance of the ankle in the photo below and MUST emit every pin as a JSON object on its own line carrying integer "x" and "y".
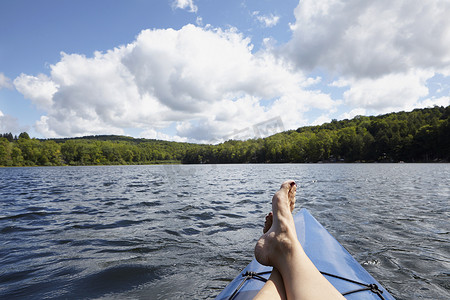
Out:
{"x": 287, "y": 243}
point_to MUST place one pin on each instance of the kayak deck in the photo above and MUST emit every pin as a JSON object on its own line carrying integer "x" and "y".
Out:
{"x": 330, "y": 257}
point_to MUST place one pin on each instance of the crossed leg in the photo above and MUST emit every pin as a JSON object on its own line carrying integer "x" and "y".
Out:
{"x": 274, "y": 287}
{"x": 294, "y": 275}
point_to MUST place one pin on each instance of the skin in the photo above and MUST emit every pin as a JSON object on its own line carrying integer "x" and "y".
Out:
{"x": 294, "y": 275}
{"x": 291, "y": 199}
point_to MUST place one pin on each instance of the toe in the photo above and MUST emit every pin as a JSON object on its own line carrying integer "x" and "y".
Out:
{"x": 268, "y": 222}
{"x": 288, "y": 184}
{"x": 291, "y": 195}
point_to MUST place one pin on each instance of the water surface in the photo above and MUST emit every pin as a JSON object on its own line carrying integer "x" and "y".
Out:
{"x": 184, "y": 232}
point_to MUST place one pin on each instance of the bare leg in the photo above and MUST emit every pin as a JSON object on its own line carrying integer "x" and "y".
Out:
{"x": 280, "y": 248}
{"x": 273, "y": 289}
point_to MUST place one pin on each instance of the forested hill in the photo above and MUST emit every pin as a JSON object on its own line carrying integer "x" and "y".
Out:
{"x": 422, "y": 135}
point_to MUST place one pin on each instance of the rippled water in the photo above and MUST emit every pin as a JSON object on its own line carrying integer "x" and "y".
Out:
{"x": 184, "y": 232}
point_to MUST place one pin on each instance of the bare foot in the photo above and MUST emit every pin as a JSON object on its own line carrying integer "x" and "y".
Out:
{"x": 291, "y": 197}
{"x": 279, "y": 238}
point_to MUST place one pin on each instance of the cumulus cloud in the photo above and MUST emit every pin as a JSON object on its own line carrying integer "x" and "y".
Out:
{"x": 381, "y": 52}
{"x": 353, "y": 113}
{"x": 9, "y": 124}
{"x": 5, "y": 82}
{"x": 389, "y": 93}
{"x": 185, "y": 4}
{"x": 267, "y": 20}
{"x": 206, "y": 81}
{"x": 371, "y": 38}
{"x": 433, "y": 101}
{"x": 40, "y": 89}
{"x": 153, "y": 134}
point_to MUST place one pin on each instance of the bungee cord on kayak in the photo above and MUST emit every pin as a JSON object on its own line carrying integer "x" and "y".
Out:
{"x": 249, "y": 275}
{"x": 258, "y": 276}
{"x": 373, "y": 287}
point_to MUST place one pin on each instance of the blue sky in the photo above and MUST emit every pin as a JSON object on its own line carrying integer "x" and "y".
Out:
{"x": 201, "y": 70}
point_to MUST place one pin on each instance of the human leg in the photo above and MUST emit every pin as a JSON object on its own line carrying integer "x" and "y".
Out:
{"x": 273, "y": 289}
{"x": 280, "y": 248}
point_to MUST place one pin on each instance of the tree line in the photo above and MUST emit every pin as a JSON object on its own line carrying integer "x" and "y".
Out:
{"x": 95, "y": 150}
{"x": 422, "y": 135}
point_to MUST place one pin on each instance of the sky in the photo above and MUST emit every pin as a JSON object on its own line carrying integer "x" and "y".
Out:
{"x": 205, "y": 71}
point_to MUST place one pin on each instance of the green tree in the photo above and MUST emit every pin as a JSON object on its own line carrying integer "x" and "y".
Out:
{"x": 5, "y": 152}
{"x": 24, "y": 135}
{"x": 16, "y": 156}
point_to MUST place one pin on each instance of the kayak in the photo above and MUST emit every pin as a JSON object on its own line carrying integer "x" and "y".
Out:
{"x": 330, "y": 257}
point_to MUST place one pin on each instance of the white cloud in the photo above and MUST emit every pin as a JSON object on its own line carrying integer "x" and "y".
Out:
{"x": 389, "y": 93}
{"x": 40, "y": 89}
{"x": 340, "y": 83}
{"x": 199, "y": 21}
{"x": 431, "y": 102}
{"x": 185, "y": 4}
{"x": 206, "y": 80}
{"x": 5, "y": 82}
{"x": 267, "y": 20}
{"x": 321, "y": 119}
{"x": 353, "y": 113}
{"x": 153, "y": 134}
{"x": 9, "y": 124}
{"x": 383, "y": 52}
{"x": 371, "y": 38}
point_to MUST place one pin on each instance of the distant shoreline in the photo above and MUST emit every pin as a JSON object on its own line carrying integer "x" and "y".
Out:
{"x": 212, "y": 164}
{"x": 420, "y": 136}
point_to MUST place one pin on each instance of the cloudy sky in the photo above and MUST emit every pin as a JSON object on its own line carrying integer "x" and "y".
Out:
{"x": 203, "y": 70}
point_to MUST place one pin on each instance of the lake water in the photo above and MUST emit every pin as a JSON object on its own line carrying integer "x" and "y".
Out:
{"x": 185, "y": 231}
